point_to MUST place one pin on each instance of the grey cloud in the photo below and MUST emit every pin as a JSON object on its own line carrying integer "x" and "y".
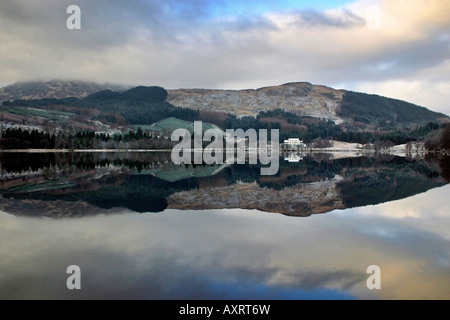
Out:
{"x": 104, "y": 23}
{"x": 242, "y": 24}
{"x": 322, "y": 279}
{"x": 426, "y": 54}
{"x": 346, "y": 19}
{"x": 400, "y": 61}
{"x": 115, "y": 23}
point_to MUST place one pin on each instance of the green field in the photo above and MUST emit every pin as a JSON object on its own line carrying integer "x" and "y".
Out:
{"x": 171, "y": 124}
{"x": 31, "y": 112}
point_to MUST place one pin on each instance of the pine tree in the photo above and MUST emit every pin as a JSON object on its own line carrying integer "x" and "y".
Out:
{"x": 445, "y": 138}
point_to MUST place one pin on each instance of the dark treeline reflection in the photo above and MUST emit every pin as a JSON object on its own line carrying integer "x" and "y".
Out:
{"x": 444, "y": 163}
{"x": 146, "y": 182}
{"x": 19, "y": 162}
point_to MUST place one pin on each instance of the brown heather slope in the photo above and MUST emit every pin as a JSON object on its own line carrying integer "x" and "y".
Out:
{"x": 300, "y": 98}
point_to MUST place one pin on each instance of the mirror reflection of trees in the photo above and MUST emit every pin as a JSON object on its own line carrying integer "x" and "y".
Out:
{"x": 148, "y": 182}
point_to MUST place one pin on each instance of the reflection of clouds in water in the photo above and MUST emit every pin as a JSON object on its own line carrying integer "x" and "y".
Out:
{"x": 424, "y": 205}
{"x": 427, "y": 211}
{"x": 226, "y": 254}
{"x": 379, "y": 232}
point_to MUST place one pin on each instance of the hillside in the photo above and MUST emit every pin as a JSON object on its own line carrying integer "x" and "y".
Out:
{"x": 307, "y": 100}
{"x": 370, "y": 108}
{"x": 301, "y": 98}
{"x": 53, "y": 89}
{"x": 297, "y": 109}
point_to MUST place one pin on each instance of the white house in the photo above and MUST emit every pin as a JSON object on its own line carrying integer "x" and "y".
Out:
{"x": 295, "y": 142}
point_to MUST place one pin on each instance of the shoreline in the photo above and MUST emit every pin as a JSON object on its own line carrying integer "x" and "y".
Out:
{"x": 282, "y": 151}
{"x": 82, "y": 150}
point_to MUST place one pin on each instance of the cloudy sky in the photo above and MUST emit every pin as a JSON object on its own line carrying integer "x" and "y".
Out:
{"x": 395, "y": 48}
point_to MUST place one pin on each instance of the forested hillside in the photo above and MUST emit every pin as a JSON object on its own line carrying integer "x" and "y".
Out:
{"x": 367, "y": 118}
{"x": 384, "y": 112}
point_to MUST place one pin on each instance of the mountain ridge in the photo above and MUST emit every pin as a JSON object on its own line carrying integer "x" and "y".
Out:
{"x": 303, "y": 98}
{"x": 298, "y": 109}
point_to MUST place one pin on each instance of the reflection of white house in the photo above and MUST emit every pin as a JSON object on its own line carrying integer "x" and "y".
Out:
{"x": 292, "y": 157}
{"x": 295, "y": 142}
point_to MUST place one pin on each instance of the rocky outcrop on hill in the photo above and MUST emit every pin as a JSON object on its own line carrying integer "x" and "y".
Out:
{"x": 300, "y": 98}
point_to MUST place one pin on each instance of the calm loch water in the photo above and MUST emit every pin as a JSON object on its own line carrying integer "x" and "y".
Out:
{"x": 141, "y": 228}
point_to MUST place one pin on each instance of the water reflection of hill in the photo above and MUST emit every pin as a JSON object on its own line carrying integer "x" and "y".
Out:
{"x": 71, "y": 184}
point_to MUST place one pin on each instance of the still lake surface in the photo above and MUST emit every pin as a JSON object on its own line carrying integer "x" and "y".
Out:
{"x": 142, "y": 228}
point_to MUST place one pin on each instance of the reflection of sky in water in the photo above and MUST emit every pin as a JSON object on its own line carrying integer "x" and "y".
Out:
{"x": 234, "y": 254}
